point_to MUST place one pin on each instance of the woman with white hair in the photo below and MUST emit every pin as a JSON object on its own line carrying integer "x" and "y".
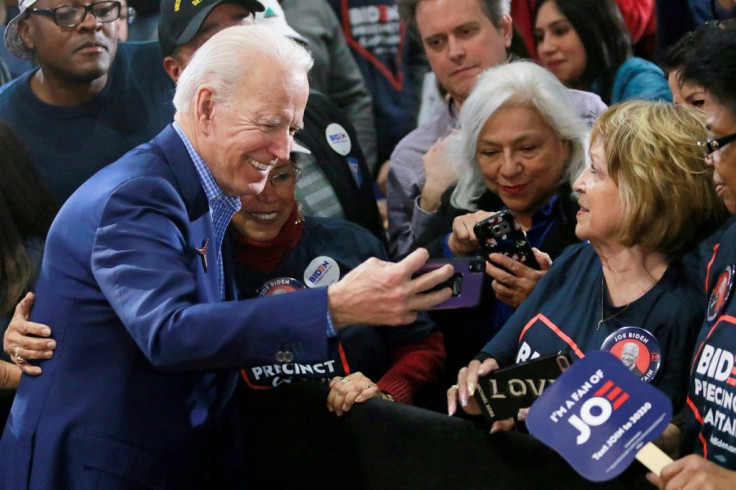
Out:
{"x": 520, "y": 142}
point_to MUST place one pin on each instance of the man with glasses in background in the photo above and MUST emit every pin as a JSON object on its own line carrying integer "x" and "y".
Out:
{"x": 91, "y": 99}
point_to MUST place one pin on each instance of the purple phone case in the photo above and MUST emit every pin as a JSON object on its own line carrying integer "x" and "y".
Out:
{"x": 467, "y": 282}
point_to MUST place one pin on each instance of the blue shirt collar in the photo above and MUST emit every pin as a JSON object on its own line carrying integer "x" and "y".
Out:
{"x": 213, "y": 191}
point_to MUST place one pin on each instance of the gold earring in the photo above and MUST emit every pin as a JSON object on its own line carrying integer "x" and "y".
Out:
{"x": 299, "y": 216}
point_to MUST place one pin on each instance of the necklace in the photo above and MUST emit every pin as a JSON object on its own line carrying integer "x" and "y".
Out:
{"x": 603, "y": 302}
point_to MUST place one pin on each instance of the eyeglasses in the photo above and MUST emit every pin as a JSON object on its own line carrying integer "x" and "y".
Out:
{"x": 711, "y": 145}
{"x": 73, "y": 15}
{"x": 285, "y": 177}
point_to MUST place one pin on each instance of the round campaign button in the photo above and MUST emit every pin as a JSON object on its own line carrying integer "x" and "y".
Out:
{"x": 279, "y": 285}
{"x": 338, "y": 139}
{"x": 637, "y": 348}
{"x": 322, "y": 271}
{"x": 721, "y": 293}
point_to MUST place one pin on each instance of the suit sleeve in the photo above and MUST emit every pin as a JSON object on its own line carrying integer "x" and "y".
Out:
{"x": 144, "y": 266}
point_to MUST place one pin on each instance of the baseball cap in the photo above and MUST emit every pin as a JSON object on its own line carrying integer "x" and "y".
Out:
{"x": 12, "y": 39}
{"x": 181, "y": 20}
{"x": 273, "y": 17}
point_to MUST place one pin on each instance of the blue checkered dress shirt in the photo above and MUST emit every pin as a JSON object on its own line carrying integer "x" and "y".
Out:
{"x": 222, "y": 207}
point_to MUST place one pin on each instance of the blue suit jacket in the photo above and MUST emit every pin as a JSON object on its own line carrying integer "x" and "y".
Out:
{"x": 133, "y": 394}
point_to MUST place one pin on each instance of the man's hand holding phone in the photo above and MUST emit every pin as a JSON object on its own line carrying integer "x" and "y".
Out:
{"x": 466, "y": 283}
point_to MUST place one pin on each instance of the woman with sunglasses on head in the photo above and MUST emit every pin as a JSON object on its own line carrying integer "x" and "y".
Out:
{"x": 586, "y": 44}
{"x": 278, "y": 250}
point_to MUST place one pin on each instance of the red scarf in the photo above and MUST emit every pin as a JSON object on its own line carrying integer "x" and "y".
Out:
{"x": 265, "y": 256}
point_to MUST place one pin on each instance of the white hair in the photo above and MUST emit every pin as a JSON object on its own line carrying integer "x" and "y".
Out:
{"x": 510, "y": 84}
{"x": 224, "y": 60}
{"x": 504, "y": 6}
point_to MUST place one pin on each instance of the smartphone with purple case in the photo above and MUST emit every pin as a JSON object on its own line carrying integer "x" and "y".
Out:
{"x": 466, "y": 283}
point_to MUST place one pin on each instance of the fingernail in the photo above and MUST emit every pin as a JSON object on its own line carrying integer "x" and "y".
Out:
{"x": 45, "y": 331}
{"x": 450, "y": 411}
{"x": 471, "y": 389}
{"x": 51, "y": 345}
{"x": 48, "y": 354}
{"x": 464, "y": 401}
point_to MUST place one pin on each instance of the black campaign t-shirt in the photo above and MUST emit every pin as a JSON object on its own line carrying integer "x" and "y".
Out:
{"x": 563, "y": 311}
{"x": 712, "y": 389}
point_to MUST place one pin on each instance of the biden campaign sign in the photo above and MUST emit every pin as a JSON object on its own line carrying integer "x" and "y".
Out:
{"x": 598, "y": 416}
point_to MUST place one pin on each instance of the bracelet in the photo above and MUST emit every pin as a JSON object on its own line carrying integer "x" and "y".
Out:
{"x": 387, "y": 396}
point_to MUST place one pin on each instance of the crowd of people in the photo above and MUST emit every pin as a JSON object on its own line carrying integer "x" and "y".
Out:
{"x": 211, "y": 241}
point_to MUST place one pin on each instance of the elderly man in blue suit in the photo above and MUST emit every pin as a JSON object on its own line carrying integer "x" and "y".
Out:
{"x": 133, "y": 282}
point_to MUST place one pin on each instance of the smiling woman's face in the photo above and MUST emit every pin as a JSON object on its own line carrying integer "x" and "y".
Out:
{"x": 262, "y": 216}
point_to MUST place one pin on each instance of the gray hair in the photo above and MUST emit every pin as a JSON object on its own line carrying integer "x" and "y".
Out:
{"x": 516, "y": 83}
{"x": 224, "y": 60}
{"x": 495, "y": 10}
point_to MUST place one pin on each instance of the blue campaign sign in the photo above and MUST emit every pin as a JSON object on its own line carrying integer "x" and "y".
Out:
{"x": 598, "y": 415}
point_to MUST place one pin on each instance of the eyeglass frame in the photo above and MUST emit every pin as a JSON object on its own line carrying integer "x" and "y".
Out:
{"x": 297, "y": 174}
{"x": 711, "y": 145}
{"x": 88, "y": 9}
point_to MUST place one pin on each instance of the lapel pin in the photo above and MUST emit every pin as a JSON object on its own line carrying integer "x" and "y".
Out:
{"x": 202, "y": 252}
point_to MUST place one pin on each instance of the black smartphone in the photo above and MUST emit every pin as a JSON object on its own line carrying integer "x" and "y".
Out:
{"x": 466, "y": 283}
{"x": 502, "y": 233}
{"x": 504, "y": 391}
